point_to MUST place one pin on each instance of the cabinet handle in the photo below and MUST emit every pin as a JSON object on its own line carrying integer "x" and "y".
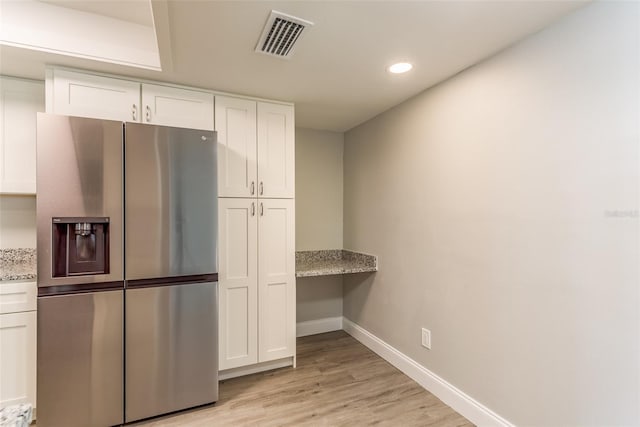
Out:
{"x": 134, "y": 112}
{"x": 253, "y": 209}
{"x": 253, "y": 187}
{"x": 261, "y": 209}
{"x": 148, "y": 115}
{"x": 261, "y": 188}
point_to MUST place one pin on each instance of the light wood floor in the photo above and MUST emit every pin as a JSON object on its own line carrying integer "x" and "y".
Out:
{"x": 338, "y": 382}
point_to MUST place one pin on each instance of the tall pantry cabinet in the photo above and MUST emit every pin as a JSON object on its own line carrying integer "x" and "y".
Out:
{"x": 257, "y": 231}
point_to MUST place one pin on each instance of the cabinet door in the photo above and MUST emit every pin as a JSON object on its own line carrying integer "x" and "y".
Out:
{"x": 238, "y": 282}
{"x": 276, "y": 145}
{"x": 276, "y": 279}
{"x": 86, "y": 95}
{"x": 236, "y": 127}
{"x": 183, "y": 108}
{"x": 18, "y": 358}
{"x": 20, "y": 101}
{"x": 18, "y": 296}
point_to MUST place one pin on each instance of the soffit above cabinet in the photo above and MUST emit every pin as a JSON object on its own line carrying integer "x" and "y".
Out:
{"x": 90, "y": 30}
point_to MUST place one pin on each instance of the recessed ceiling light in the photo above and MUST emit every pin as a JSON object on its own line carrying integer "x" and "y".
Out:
{"x": 400, "y": 67}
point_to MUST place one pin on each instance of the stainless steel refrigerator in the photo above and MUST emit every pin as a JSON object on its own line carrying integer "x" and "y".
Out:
{"x": 127, "y": 271}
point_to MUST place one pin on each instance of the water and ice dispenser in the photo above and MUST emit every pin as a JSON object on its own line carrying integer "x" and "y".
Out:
{"x": 80, "y": 246}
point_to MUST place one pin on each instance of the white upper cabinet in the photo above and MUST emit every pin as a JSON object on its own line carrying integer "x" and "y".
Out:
{"x": 256, "y": 148}
{"x": 276, "y": 279}
{"x": 20, "y": 101}
{"x": 86, "y": 95}
{"x": 237, "y": 150}
{"x": 276, "y": 151}
{"x": 171, "y": 106}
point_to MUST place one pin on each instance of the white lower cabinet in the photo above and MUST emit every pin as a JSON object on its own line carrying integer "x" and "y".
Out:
{"x": 238, "y": 281}
{"x": 18, "y": 358}
{"x": 257, "y": 281}
{"x": 276, "y": 279}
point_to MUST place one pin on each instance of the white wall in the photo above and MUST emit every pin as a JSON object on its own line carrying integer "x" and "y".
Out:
{"x": 318, "y": 217}
{"x": 17, "y": 222}
{"x": 505, "y": 218}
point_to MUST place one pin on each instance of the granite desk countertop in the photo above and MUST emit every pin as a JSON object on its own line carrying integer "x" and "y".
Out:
{"x": 17, "y": 264}
{"x": 334, "y": 261}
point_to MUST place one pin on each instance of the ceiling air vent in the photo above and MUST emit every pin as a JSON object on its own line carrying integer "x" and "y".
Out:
{"x": 281, "y": 34}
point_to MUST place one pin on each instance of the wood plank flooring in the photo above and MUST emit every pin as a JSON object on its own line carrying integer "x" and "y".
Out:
{"x": 338, "y": 382}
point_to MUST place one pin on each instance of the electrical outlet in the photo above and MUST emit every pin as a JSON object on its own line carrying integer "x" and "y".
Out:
{"x": 426, "y": 338}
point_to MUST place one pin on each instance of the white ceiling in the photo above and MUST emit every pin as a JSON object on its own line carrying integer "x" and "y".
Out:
{"x": 337, "y": 77}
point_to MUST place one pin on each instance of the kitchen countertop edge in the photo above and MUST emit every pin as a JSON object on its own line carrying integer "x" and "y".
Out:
{"x": 334, "y": 262}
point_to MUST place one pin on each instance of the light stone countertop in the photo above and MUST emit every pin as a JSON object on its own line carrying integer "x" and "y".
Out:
{"x": 333, "y": 261}
{"x": 17, "y": 264}
{"x": 20, "y": 263}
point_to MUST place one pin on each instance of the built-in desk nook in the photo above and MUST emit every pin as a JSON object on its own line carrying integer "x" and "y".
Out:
{"x": 333, "y": 261}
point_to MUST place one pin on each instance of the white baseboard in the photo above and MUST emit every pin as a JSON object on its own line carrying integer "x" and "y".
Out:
{"x": 258, "y": 367}
{"x": 455, "y": 398}
{"x": 318, "y": 326}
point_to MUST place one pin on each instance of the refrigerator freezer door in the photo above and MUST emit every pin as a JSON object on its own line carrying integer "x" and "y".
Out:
{"x": 171, "y": 340}
{"x": 79, "y": 175}
{"x": 170, "y": 201}
{"x": 80, "y": 360}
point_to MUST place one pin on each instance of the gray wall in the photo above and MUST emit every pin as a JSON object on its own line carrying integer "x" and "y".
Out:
{"x": 318, "y": 217}
{"x": 318, "y": 189}
{"x": 503, "y": 206}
